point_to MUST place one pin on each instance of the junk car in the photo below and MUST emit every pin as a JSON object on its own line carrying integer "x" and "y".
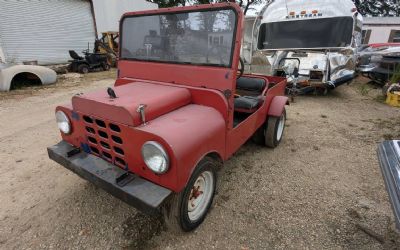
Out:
{"x": 180, "y": 107}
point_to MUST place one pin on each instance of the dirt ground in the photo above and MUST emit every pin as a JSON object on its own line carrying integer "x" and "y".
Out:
{"x": 321, "y": 188}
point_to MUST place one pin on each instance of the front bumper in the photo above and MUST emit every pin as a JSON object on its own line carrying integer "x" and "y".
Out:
{"x": 389, "y": 160}
{"x": 138, "y": 192}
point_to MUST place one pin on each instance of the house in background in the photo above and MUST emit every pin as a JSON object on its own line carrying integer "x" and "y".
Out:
{"x": 44, "y": 30}
{"x": 381, "y": 30}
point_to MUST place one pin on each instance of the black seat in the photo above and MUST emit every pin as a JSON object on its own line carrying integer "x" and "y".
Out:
{"x": 250, "y": 84}
{"x": 247, "y": 104}
{"x": 250, "y": 88}
{"x": 75, "y": 55}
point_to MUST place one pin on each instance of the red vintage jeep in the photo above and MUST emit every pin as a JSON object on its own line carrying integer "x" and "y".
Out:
{"x": 180, "y": 107}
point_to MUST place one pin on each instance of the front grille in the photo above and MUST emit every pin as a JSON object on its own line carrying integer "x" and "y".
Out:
{"x": 105, "y": 140}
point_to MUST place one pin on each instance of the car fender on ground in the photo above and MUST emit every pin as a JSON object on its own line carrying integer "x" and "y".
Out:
{"x": 46, "y": 75}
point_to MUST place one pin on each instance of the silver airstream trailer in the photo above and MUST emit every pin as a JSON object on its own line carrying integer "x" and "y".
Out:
{"x": 312, "y": 43}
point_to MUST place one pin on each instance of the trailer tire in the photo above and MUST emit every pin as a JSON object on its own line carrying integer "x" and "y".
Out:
{"x": 181, "y": 212}
{"x": 274, "y": 130}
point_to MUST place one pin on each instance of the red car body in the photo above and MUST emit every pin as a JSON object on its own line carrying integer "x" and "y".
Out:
{"x": 189, "y": 111}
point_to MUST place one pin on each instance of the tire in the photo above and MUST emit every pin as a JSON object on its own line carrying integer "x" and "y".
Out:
{"x": 274, "y": 130}
{"x": 83, "y": 69}
{"x": 179, "y": 214}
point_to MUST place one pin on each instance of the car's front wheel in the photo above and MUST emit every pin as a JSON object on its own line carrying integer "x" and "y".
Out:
{"x": 187, "y": 209}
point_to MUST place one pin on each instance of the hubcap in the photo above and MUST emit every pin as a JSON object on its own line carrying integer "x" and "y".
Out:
{"x": 281, "y": 126}
{"x": 200, "y": 195}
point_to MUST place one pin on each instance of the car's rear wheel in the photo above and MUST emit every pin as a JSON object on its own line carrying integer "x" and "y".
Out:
{"x": 274, "y": 130}
{"x": 187, "y": 209}
{"x": 83, "y": 68}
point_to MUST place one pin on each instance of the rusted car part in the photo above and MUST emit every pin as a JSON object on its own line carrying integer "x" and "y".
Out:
{"x": 371, "y": 56}
{"x": 180, "y": 107}
{"x": 389, "y": 161}
{"x": 386, "y": 69}
{"x": 12, "y": 73}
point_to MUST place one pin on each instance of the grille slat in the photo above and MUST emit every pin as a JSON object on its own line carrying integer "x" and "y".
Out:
{"x": 103, "y": 134}
{"x": 90, "y": 130}
{"x": 116, "y": 139}
{"x": 115, "y": 128}
{"x": 104, "y": 140}
{"x": 100, "y": 123}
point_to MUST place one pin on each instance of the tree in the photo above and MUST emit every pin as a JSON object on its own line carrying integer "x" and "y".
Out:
{"x": 378, "y": 7}
{"x": 245, "y": 4}
{"x": 365, "y": 7}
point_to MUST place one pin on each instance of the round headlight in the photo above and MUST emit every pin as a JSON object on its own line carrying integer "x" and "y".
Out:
{"x": 63, "y": 122}
{"x": 155, "y": 157}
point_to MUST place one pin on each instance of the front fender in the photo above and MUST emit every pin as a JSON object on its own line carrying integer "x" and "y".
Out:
{"x": 190, "y": 132}
{"x": 277, "y": 105}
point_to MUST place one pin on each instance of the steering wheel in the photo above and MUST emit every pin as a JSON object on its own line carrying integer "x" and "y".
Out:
{"x": 240, "y": 68}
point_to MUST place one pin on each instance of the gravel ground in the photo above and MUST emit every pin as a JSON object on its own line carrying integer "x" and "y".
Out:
{"x": 321, "y": 188}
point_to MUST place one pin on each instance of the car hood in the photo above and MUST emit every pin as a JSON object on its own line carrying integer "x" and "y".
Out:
{"x": 158, "y": 100}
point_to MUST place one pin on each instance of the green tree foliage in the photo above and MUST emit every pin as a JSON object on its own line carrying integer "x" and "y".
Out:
{"x": 365, "y": 7}
{"x": 245, "y": 4}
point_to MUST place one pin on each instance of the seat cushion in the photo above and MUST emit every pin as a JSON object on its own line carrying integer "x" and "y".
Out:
{"x": 250, "y": 84}
{"x": 247, "y": 104}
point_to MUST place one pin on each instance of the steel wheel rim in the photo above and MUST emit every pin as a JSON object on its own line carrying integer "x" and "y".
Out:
{"x": 200, "y": 195}
{"x": 281, "y": 126}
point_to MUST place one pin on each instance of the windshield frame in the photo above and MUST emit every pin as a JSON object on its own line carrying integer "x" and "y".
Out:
{"x": 160, "y": 12}
{"x": 307, "y": 48}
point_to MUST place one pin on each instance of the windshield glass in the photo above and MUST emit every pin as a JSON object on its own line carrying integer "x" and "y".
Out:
{"x": 333, "y": 32}
{"x": 200, "y": 38}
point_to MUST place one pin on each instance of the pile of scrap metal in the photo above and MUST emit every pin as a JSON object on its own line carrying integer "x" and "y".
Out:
{"x": 11, "y": 74}
{"x": 379, "y": 62}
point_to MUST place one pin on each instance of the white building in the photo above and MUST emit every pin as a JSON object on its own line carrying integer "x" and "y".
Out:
{"x": 44, "y": 30}
{"x": 381, "y": 30}
{"x": 109, "y": 12}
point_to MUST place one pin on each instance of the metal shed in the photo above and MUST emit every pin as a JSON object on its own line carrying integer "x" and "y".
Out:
{"x": 44, "y": 30}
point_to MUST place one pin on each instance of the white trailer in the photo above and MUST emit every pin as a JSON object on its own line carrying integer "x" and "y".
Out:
{"x": 313, "y": 43}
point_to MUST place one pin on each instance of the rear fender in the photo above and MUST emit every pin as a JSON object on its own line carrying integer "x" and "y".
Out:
{"x": 277, "y": 105}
